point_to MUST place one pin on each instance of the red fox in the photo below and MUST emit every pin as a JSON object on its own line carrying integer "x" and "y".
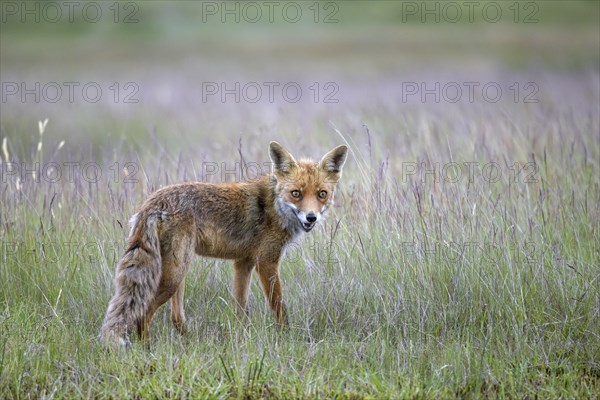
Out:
{"x": 248, "y": 222}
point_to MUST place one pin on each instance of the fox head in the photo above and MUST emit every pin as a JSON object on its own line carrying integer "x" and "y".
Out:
{"x": 305, "y": 188}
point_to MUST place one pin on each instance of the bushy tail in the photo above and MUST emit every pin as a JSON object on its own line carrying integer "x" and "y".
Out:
{"x": 137, "y": 278}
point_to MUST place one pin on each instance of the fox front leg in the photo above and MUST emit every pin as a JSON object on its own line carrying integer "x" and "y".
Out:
{"x": 271, "y": 284}
{"x": 241, "y": 283}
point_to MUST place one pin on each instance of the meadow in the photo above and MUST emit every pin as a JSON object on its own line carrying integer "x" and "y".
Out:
{"x": 462, "y": 257}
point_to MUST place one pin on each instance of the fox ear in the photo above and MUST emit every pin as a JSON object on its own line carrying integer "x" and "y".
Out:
{"x": 283, "y": 161}
{"x": 333, "y": 161}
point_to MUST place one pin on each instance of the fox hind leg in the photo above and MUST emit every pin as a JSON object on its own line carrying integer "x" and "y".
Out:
{"x": 143, "y": 325}
{"x": 176, "y": 257}
{"x": 177, "y": 312}
{"x": 166, "y": 291}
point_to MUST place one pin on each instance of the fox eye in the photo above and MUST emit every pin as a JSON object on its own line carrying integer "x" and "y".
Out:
{"x": 295, "y": 193}
{"x": 322, "y": 194}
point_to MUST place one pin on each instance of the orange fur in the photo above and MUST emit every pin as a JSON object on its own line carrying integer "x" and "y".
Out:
{"x": 248, "y": 222}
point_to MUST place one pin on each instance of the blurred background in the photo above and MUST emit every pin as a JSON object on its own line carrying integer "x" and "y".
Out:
{"x": 196, "y": 77}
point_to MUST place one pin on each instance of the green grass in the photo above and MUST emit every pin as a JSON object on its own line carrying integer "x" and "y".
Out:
{"x": 415, "y": 287}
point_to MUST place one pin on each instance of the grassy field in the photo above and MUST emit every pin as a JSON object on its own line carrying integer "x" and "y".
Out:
{"x": 462, "y": 258}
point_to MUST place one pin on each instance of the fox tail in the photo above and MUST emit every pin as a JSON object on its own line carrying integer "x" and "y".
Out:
{"x": 137, "y": 278}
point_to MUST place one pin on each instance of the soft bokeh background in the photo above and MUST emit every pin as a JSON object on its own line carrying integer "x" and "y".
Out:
{"x": 417, "y": 285}
{"x": 369, "y": 49}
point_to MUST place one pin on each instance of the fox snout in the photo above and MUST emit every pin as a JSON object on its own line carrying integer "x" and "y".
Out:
{"x": 308, "y": 220}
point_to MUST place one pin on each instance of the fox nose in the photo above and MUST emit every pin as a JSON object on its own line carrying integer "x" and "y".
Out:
{"x": 311, "y": 217}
